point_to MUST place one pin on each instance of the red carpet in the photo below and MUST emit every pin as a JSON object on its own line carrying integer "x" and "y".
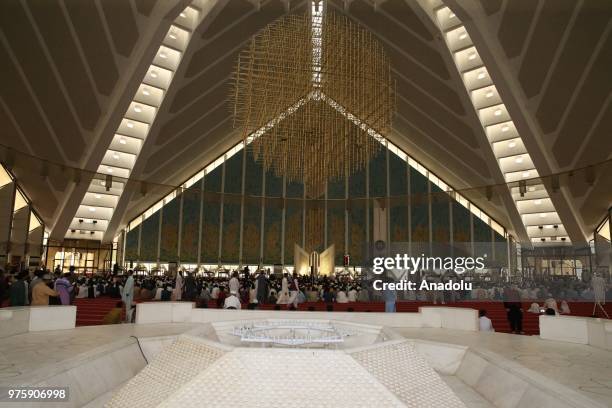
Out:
{"x": 92, "y": 311}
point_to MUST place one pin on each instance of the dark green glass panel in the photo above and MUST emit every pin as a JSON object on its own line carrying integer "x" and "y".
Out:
{"x": 419, "y": 200}
{"x": 131, "y": 244}
{"x": 398, "y": 202}
{"x": 211, "y": 216}
{"x": 440, "y": 215}
{"x": 191, "y": 223}
{"x": 149, "y": 238}
{"x": 168, "y": 251}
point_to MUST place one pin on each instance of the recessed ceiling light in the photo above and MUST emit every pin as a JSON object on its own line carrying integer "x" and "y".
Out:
{"x": 481, "y": 75}
{"x": 163, "y": 55}
{"x": 525, "y": 174}
{"x": 122, "y": 141}
{"x": 542, "y": 215}
{"x": 130, "y": 125}
{"x": 537, "y": 202}
{"x": 172, "y": 35}
{"x": 153, "y": 74}
{"x": 498, "y": 112}
{"x": 98, "y": 196}
{"x": 549, "y": 227}
{"x": 472, "y": 56}
{"x": 92, "y": 209}
{"x": 109, "y": 170}
{"x": 146, "y": 92}
{"x": 102, "y": 183}
{"x": 489, "y": 94}
{"x": 512, "y": 144}
{"x": 505, "y": 128}
{"x": 115, "y": 156}
{"x": 137, "y": 109}
{"x": 519, "y": 159}
{"x": 183, "y": 15}
{"x": 451, "y": 15}
{"x": 463, "y": 36}
{"x": 532, "y": 188}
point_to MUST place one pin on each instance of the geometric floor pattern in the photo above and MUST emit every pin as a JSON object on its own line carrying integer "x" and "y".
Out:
{"x": 171, "y": 369}
{"x": 283, "y": 378}
{"x": 402, "y": 370}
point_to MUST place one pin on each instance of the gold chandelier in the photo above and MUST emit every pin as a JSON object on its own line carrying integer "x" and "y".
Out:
{"x": 312, "y": 94}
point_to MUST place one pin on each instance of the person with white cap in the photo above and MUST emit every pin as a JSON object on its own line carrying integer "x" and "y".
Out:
{"x": 232, "y": 301}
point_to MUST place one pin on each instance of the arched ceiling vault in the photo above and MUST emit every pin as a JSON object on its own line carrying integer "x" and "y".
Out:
{"x": 435, "y": 123}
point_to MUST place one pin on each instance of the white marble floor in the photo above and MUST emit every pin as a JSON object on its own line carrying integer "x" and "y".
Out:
{"x": 27, "y": 352}
{"x": 583, "y": 368}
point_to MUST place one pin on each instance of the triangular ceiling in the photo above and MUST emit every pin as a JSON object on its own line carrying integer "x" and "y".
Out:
{"x": 52, "y": 70}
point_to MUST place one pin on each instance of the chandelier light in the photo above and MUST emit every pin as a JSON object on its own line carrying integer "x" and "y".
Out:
{"x": 312, "y": 96}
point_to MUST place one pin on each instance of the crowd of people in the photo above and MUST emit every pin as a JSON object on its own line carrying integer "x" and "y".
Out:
{"x": 243, "y": 289}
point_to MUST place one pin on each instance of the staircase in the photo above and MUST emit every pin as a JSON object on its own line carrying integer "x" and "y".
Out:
{"x": 92, "y": 311}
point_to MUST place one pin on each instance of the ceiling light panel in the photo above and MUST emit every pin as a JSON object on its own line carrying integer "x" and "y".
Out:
{"x": 119, "y": 159}
{"x": 516, "y": 163}
{"x": 167, "y": 58}
{"x": 114, "y": 171}
{"x": 158, "y": 77}
{"x": 458, "y": 39}
{"x": 467, "y": 59}
{"x": 141, "y": 112}
{"x": 476, "y": 78}
{"x": 485, "y": 97}
{"x": 133, "y": 128}
{"x": 99, "y": 213}
{"x": 126, "y": 144}
{"x": 105, "y": 200}
{"x": 177, "y": 38}
{"x": 493, "y": 115}
{"x": 149, "y": 95}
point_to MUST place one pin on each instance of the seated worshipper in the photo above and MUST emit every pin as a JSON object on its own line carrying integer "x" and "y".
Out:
{"x": 352, "y": 294}
{"x": 214, "y": 294}
{"x": 82, "y": 291}
{"x": 552, "y": 304}
{"x": 534, "y": 308}
{"x": 484, "y": 322}
{"x": 565, "y": 309}
{"x": 221, "y": 297}
{"x": 41, "y": 292}
{"x": 114, "y": 315}
{"x": 158, "y": 293}
{"x": 166, "y": 294}
{"x": 312, "y": 294}
{"x": 341, "y": 296}
{"x": 232, "y": 302}
{"x": 364, "y": 296}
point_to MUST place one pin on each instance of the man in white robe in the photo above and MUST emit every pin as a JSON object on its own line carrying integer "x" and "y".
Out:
{"x": 128, "y": 296}
{"x": 177, "y": 293}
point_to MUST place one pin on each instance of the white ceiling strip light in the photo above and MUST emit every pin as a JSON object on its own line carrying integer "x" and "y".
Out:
{"x": 533, "y": 203}
{"x": 98, "y": 205}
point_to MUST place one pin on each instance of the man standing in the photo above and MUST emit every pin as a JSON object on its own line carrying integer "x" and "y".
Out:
{"x": 234, "y": 283}
{"x": 128, "y": 295}
{"x": 41, "y": 292}
{"x": 18, "y": 291}
{"x": 63, "y": 287}
{"x": 177, "y": 294}
{"x": 262, "y": 288}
